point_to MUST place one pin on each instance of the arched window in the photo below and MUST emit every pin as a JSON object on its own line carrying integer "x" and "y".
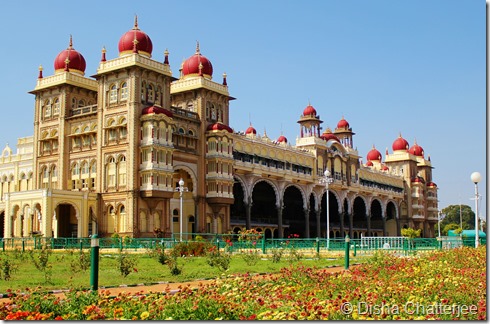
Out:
{"x": 111, "y": 172}
{"x": 151, "y": 93}
{"x": 122, "y": 171}
{"x": 75, "y": 169}
{"x": 56, "y": 107}
{"x": 124, "y": 91}
{"x": 74, "y": 102}
{"x": 47, "y": 109}
{"x": 81, "y": 103}
{"x": 113, "y": 93}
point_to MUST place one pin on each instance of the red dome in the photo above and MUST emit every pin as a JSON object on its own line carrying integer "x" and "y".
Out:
{"x": 282, "y": 138}
{"x": 309, "y": 111}
{"x": 369, "y": 163}
{"x": 219, "y": 127}
{"x": 343, "y": 124}
{"x": 384, "y": 168}
{"x": 374, "y": 155}
{"x": 191, "y": 65}
{"x": 400, "y": 144}
{"x": 144, "y": 45}
{"x": 431, "y": 184}
{"x": 156, "y": 110}
{"x": 416, "y": 150}
{"x": 250, "y": 130}
{"x": 70, "y": 59}
{"x": 328, "y": 135}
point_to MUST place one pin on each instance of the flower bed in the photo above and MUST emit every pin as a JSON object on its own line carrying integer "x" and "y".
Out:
{"x": 434, "y": 285}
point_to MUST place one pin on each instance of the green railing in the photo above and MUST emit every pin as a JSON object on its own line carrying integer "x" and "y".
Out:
{"x": 236, "y": 243}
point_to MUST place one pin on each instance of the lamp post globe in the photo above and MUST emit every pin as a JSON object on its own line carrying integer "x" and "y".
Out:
{"x": 475, "y": 178}
{"x": 181, "y": 191}
{"x": 326, "y": 173}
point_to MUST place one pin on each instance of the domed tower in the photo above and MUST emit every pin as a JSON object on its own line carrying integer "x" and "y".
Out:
{"x": 328, "y": 135}
{"x": 135, "y": 41}
{"x": 195, "y": 93}
{"x": 62, "y": 99}
{"x": 309, "y": 122}
{"x": 344, "y": 133}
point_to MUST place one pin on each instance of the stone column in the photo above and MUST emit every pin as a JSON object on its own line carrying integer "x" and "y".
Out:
{"x": 280, "y": 229}
{"x": 248, "y": 213}
{"x": 318, "y": 228}
{"x": 368, "y": 218}
{"x": 307, "y": 222}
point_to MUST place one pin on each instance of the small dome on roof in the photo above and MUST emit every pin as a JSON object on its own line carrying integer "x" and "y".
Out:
{"x": 282, "y": 138}
{"x": 156, "y": 110}
{"x": 219, "y": 127}
{"x": 197, "y": 64}
{"x": 143, "y": 42}
{"x": 251, "y": 130}
{"x": 70, "y": 60}
{"x": 416, "y": 150}
{"x": 328, "y": 135}
{"x": 344, "y": 124}
{"x": 309, "y": 111}
{"x": 400, "y": 144}
{"x": 374, "y": 155}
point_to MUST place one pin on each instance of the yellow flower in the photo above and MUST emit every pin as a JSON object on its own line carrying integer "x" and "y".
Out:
{"x": 144, "y": 315}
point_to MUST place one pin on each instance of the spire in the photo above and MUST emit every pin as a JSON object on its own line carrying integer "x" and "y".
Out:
{"x": 197, "y": 48}
{"x": 166, "y": 57}
{"x": 70, "y": 45}
{"x": 40, "y": 76}
{"x": 224, "y": 79}
{"x": 135, "y": 27}
{"x": 103, "y": 54}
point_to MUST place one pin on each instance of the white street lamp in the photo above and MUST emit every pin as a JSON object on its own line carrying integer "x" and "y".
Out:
{"x": 327, "y": 180}
{"x": 181, "y": 190}
{"x": 476, "y": 177}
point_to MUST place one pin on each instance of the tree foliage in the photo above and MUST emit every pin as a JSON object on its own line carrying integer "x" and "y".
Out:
{"x": 452, "y": 214}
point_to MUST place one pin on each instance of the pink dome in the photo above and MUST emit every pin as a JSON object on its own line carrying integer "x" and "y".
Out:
{"x": 374, "y": 155}
{"x": 416, "y": 150}
{"x": 309, "y": 111}
{"x": 70, "y": 60}
{"x": 197, "y": 64}
{"x": 344, "y": 124}
{"x": 328, "y": 135}
{"x": 282, "y": 138}
{"x": 144, "y": 45}
{"x": 156, "y": 110}
{"x": 219, "y": 127}
{"x": 400, "y": 144}
{"x": 250, "y": 130}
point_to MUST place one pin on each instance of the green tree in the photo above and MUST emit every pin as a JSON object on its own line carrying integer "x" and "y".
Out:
{"x": 452, "y": 213}
{"x": 448, "y": 227}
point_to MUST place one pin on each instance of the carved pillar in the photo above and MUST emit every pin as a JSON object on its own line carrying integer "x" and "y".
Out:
{"x": 342, "y": 224}
{"x": 248, "y": 213}
{"x": 384, "y": 227}
{"x": 280, "y": 207}
{"x": 368, "y": 218}
{"x": 307, "y": 222}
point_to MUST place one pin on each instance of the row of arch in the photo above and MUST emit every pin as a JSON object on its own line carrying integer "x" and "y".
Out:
{"x": 293, "y": 210}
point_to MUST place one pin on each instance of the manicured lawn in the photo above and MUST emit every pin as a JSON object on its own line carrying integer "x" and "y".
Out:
{"x": 146, "y": 269}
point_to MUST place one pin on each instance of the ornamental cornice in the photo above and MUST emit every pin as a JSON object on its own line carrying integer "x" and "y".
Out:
{"x": 198, "y": 82}
{"x": 65, "y": 78}
{"x": 133, "y": 60}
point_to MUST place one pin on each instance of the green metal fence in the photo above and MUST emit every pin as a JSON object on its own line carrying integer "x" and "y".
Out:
{"x": 237, "y": 243}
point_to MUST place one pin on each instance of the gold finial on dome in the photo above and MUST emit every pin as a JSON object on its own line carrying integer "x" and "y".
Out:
{"x": 200, "y": 68}
{"x": 70, "y": 44}
{"x": 135, "y": 22}
{"x": 135, "y": 43}
{"x": 197, "y": 48}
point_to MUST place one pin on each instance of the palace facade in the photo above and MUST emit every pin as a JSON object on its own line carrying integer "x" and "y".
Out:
{"x": 108, "y": 152}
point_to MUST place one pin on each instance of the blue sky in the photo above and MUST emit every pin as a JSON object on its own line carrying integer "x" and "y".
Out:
{"x": 412, "y": 67}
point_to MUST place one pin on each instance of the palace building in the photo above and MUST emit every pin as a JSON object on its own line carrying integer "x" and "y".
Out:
{"x": 108, "y": 152}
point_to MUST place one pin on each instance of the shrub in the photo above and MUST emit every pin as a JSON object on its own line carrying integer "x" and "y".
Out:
{"x": 251, "y": 257}
{"x": 126, "y": 264}
{"x": 80, "y": 262}
{"x": 41, "y": 261}
{"x": 193, "y": 248}
{"x": 277, "y": 255}
{"x": 217, "y": 259}
{"x": 8, "y": 267}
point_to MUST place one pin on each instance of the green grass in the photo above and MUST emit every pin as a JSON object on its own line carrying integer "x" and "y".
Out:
{"x": 149, "y": 270}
